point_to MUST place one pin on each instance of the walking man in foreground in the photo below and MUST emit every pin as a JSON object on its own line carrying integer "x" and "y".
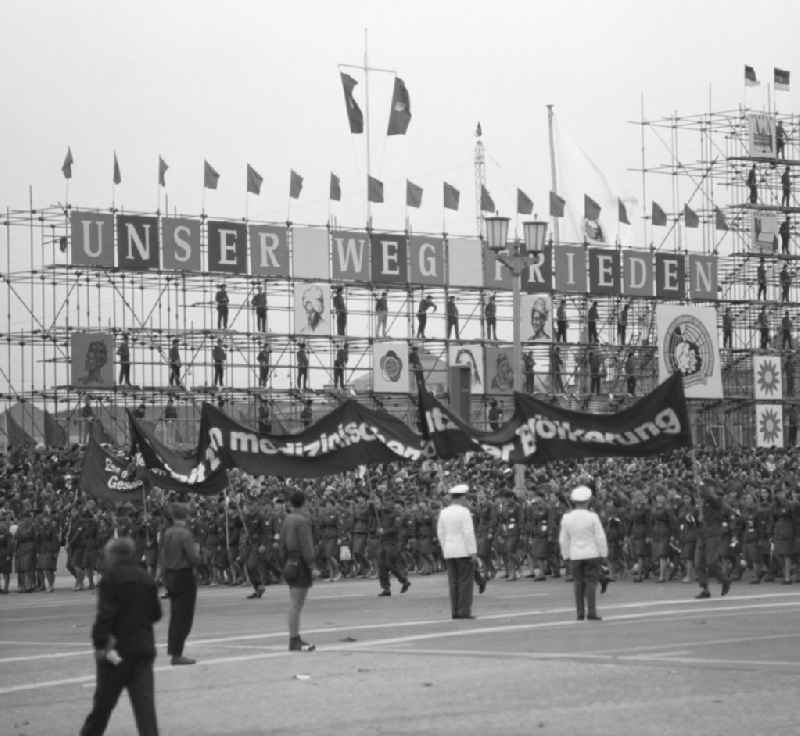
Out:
{"x": 456, "y": 534}
{"x": 124, "y": 645}
{"x": 179, "y": 556}
{"x": 583, "y": 543}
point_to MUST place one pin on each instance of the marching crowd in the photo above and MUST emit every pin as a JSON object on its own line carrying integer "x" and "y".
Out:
{"x": 382, "y": 520}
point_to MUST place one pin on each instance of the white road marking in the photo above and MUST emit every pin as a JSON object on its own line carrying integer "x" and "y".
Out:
{"x": 458, "y": 632}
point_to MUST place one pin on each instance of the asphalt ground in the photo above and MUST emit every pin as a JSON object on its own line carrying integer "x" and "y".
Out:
{"x": 660, "y": 662}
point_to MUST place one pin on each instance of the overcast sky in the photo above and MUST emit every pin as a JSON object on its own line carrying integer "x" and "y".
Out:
{"x": 257, "y": 82}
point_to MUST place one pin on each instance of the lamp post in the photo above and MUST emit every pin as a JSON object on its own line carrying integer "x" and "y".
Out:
{"x": 516, "y": 257}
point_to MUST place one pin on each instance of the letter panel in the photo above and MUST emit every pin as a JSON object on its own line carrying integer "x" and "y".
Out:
{"x": 539, "y": 275}
{"x": 703, "y": 277}
{"x": 464, "y": 262}
{"x": 350, "y": 255}
{"x": 269, "y": 251}
{"x": 137, "y": 243}
{"x": 637, "y": 273}
{"x": 227, "y": 247}
{"x": 389, "y": 256}
{"x": 92, "y": 239}
{"x": 670, "y": 276}
{"x": 426, "y": 261}
{"x": 570, "y": 262}
{"x": 496, "y": 276}
{"x": 310, "y": 253}
{"x": 603, "y": 272}
{"x": 181, "y": 238}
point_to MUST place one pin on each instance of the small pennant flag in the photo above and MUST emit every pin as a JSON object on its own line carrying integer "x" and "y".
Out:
{"x": 622, "y": 212}
{"x": 556, "y": 205}
{"x": 66, "y": 167}
{"x": 720, "y": 222}
{"x": 478, "y": 130}
{"x": 335, "y": 188}
{"x": 487, "y": 203}
{"x": 659, "y": 218}
{"x": 17, "y": 436}
{"x": 400, "y": 114}
{"x": 210, "y": 176}
{"x": 254, "y": 180}
{"x": 354, "y": 115}
{"x": 591, "y": 210}
{"x": 690, "y": 218}
{"x": 295, "y": 184}
{"x": 374, "y": 190}
{"x": 413, "y": 194}
{"x": 54, "y": 434}
{"x": 162, "y": 172}
{"x": 117, "y": 172}
{"x": 781, "y": 77}
{"x": 750, "y": 76}
{"x": 524, "y": 203}
{"x": 451, "y": 197}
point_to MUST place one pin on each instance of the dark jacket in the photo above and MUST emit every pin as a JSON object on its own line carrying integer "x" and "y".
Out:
{"x": 127, "y": 607}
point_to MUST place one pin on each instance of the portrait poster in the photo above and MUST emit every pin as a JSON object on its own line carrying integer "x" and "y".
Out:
{"x": 536, "y": 317}
{"x": 390, "y": 367}
{"x": 688, "y": 343}
{"x": 767, "y": 378}
{"x": 762, "y": 134}
{"x": 92, "y": 358}
{"x": 312, "y": 307}
{"x": 769, "y": 425}
{"x": 472, "y": 356}
{"x": 499, "y": 370}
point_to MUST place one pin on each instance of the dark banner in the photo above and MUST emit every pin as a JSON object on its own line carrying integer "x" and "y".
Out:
{"x": 539, "y": 432}
{"x": 351, "y": 435}
{"x": 108, "y": 477}
{"x": 173, "y": 470}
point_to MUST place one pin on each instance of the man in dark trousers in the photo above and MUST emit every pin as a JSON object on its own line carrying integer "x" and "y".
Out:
{"x": 591, "y": 322}
{"x": 298, "y": 546}
{"x": 786, "y": 187}
{"x": 415, "y": 366}
{"x": 264, "y": 359}
{"x": 259, "y": 303}
{"x": 425, "y": 304}
{"x": 785, "y": 232}
{"x": 561, "y": 321}
{"x": 490, "y": 313}
{"x": 495, "y": 415}
{"x": 302, "y": 367}
{"x": 124, "y": 645}
{"x": 727, "y": 329}
{"x": 390, "y": 560}
{"x": 222, "y": 299}
{"x": 761, "y": 277}
{"x": 179, "y": 556}
{"x": 583, "y": 543}
{"x": 452, "y": 318}
{"x": 752, "y": 184}
{"x": 456, "y": 532}
{"x": 219, "y": 356}
{"x": 174, "y": 363}
{"x": 124, "y": 353}
{"x": 711, "y": 549}
{"x": 340, "y": 307}
{"x": 339, "y": 364}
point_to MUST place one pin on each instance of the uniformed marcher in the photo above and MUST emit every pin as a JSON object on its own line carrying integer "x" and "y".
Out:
{"x": 583, "y": 543}
{"x": 710, "y": 548}
{"x": 390, "y": 561}
{"x": 456, "y": 532}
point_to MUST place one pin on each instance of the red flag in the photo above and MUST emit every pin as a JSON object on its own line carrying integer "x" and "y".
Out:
{"x": 720, "y": 222}
{"x": 690, "y": 218}
{"x": 162, "y": 172}
{"x": 374, "y": 190}
{"x": 354, "y": 115}
{"x": 295, "y": 184}
{"x": 117, "y": 172}
{"x": 254, "y": 180}
{"x": 591, "y": 210}
{"x": 66, "y": 167}
{"x": 104, "y": 475}
{"x": 400, "y": 114}
{"x": 451, "y": 197}
{"x": 623, "y": 213}
{"x": 210, "y": 176}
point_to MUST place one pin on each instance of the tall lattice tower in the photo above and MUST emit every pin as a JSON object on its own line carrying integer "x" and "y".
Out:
{"x": 480, "y": 176}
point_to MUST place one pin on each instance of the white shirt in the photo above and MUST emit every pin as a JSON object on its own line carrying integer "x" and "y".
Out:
{"x": 582, "y": 536}
{"x": 456, "y": 532}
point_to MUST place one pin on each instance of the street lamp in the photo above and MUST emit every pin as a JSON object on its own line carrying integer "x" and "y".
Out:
{"x": 516, "y": 259}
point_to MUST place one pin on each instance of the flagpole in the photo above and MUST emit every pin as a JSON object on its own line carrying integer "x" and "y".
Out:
{"x": 644, "y": 174}
{"x": 553, "y": 177}
{"x": 366, "y": 123}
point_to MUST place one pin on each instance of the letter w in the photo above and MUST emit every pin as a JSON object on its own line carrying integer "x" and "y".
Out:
{"x": 351, "y": 251}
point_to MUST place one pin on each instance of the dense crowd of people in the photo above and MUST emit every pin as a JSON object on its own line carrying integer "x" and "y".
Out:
{"x": 382, "y": 520}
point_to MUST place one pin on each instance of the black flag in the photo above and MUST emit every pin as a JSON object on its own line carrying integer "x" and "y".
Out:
{"x": 354, "y": 115}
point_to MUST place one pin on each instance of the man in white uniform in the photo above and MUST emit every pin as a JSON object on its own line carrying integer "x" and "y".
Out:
{"x": 456, "y": 534}
{"x": 583, "y": 543}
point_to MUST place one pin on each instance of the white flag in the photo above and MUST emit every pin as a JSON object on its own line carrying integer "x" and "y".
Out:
{"x": 769, "y": 425}
{"x": 767, "y": 378}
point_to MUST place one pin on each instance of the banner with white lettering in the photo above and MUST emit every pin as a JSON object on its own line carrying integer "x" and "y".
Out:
{"x": 539, "y": 432}
{"x": 350, "y": 255}
{"x": 570, "y": 267}
{"x": 181, "y": 238}
{"x": 227, "y": 246}
{"x": 269, "y": 251}
{"x": 92, "y": 239}
{"x": 351, "y": 435}
{"x": 389, "y": 259}
{"x": 603, "y": 272}
{"x": 670, "y": 276}
{"x": 137, "y": 243}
